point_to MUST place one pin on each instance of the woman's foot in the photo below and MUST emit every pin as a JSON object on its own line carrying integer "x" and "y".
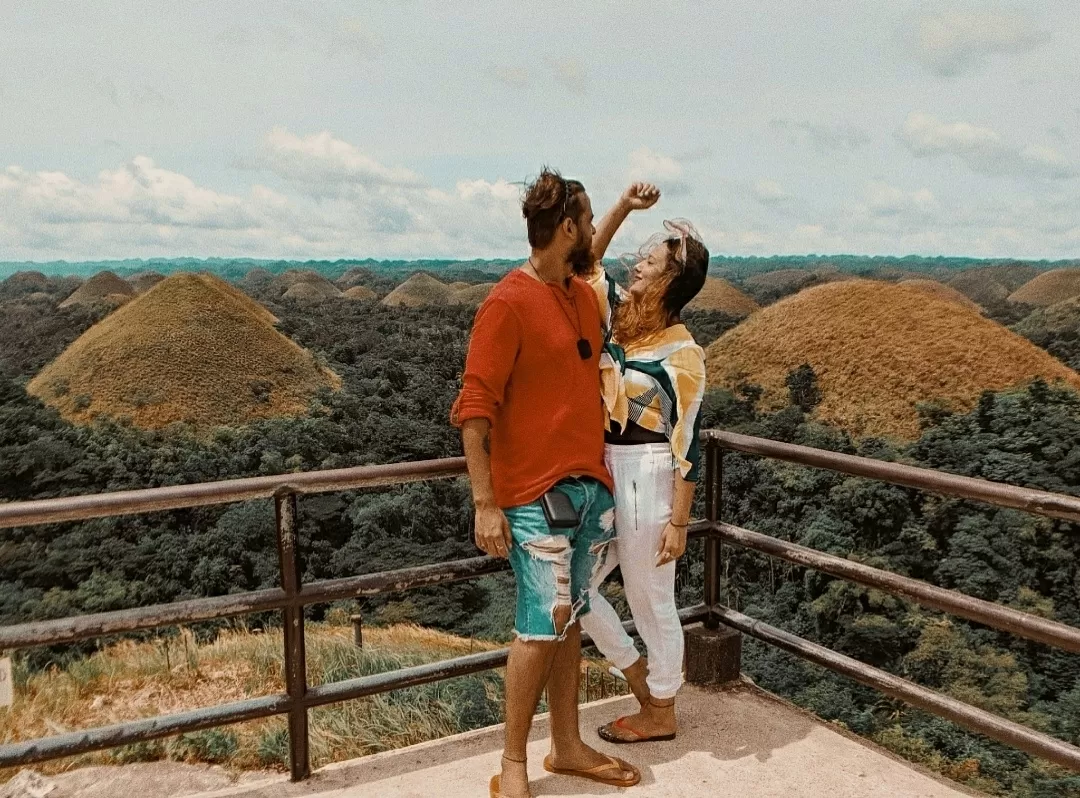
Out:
{"x": 514, "y": 780}
{"x": 655, "y": 720}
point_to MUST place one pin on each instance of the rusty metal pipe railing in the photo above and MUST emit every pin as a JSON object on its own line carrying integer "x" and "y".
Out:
{"x": 978, "y": 720}
{"x": 88, "y": 740}
{"x": 1039, "y": 502}
{"x": 63, "y": 631}
{"x": 203, "y": 494}
{"x": 988, "y": 613}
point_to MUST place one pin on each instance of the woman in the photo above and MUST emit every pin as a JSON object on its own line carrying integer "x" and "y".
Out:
{"x": 653, "y": 375}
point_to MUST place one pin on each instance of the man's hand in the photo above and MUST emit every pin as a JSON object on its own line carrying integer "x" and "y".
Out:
{"x": 640, "y": 196}
{"x": 492, "y": 531}
{"x": 672, "y": 544}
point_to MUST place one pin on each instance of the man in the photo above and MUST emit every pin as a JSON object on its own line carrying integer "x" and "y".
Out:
{"x": 532, "y": 425}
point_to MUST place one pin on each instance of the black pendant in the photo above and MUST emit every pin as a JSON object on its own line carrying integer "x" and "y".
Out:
{"x": 584, "y": 348}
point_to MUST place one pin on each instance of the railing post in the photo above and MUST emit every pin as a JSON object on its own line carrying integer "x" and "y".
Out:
{"x": 293, "y": 617}
{"x": 714, "y": 483}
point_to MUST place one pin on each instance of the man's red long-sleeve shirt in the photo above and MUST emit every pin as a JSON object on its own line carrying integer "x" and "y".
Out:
{"x": 525, "y": 375}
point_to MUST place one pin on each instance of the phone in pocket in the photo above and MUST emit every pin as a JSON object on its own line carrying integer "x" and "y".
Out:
{"x": 559, "y": 511}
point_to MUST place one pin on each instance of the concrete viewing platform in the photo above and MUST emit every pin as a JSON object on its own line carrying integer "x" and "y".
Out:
{"x": 735, "y": 741}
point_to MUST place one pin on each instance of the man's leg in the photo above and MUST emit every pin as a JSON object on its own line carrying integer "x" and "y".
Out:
{"x": 527, "y": 672}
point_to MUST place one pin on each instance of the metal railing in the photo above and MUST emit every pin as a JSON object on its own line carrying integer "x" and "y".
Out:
{"x": 292, "y": 596}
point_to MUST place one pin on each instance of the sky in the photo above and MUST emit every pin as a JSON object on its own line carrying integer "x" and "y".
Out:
{"x": 270, "y": 129}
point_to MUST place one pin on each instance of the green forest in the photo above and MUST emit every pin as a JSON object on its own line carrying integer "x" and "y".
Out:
{"x": 401, "y": 369}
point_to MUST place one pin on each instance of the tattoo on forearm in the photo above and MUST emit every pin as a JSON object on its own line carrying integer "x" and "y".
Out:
{"x": 487, "y": 443}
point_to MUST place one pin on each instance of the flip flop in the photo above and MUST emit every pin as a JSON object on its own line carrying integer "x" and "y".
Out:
{"x": 594, "y": 774}
{"x": 495, "y": 787}
{"x": 605, "y": 734}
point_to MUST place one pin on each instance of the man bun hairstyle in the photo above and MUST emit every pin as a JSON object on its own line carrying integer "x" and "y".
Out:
{"x": 548, "y": 200}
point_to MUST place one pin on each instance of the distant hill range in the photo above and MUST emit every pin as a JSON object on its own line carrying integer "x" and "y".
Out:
{"x": 731, "y": 268}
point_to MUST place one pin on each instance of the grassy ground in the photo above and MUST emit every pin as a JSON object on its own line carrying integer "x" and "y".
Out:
{"x": 132, "y": 680}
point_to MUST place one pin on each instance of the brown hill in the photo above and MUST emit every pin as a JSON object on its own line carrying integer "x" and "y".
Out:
{"x": 360, "y": 293}
{"x": 256, "y": 279}
{"x": 1063, "y": 317}
{"x": 941, "y": 291}
{"x": 721, "y": 295}
{"x": 786, "y": 280}
{"x": 103, "y": 287}
{"x": 419, "y": 290}
{"x": 188, "y": 350}
{"x": 144, "y": 281}
{"x": 353, "y": 276}
{"x": 303, "y": 285}
{"x": 472, "y": 295}
{"x": 27, "y": 282}
{"x": 1049, "y": 288}
{"x": 988, "y": 285}
{"x": 877, "y": 349}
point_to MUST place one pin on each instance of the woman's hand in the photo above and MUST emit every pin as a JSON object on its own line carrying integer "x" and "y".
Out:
{"x": 672, "y": 544}
{"x": 640, "y": 196}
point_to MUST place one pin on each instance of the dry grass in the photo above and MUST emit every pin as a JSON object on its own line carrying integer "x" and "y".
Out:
{"x": 287, "y": 280}
{"x": 1049, "y": 288}
{"x": 721, "y": 295}
{"x": 360, "y": 293}
{"x": 144, "y": 281}
{"x": 472, "y": 295}
{"x": 307, "y": 291}
{"x": 102, "y": 287}
{"x": 192, "y": 349}
{"x": 1061, "y": 318}
{"x": 131, "y": 680}
{"x": 21, "y": 282}
{"x": 784, "y": 280}
{"x": 942, "y": 291}
{"x": 878, "y": 349}
{"x": 987, "y": 285}
{"x": 353, "y": 276}
{"x": 418, "y": 290}
{"x": 421, "y": 289}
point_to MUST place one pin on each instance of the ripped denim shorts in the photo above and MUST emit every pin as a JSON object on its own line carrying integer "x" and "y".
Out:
{"x": 554, "y": 567}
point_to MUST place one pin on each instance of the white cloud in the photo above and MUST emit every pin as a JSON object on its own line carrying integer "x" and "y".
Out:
{"x": 824, "y": 138}
{"x": 981, "y": 148}
{"x": 325, "y": 163}
{"x": 653, "y": 167}
{"x": 954, "y": 42}
{"x": 512, "y": 77}
{"x": 143, "y": 210}
{"x": 571, "y": 75}
{"x": 769, "y": 192}
{"x": 883, "y": 199}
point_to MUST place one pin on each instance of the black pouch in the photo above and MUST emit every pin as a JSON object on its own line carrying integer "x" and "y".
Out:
{"x": 559, "y": 511}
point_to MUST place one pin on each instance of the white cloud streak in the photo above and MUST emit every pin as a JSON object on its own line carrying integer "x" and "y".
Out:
{"x": 954, "y": 42}
{"x": 981, "y": 148}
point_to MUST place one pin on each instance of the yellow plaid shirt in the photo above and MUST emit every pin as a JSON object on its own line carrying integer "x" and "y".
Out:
{"x": 658, "y": 383}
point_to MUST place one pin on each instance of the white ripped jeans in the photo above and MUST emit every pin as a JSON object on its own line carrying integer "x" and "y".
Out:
{"x": 644, "y": 478}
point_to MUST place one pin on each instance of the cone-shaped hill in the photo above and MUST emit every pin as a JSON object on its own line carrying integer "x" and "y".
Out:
{"x": 421, "y": 289}
{"x": 721, "y": 295}
{"x": 191, "y": 349}
{"x": 360, "y": 293}
{"x": 418, "y": 290}
{"x": 304, "y": 285}
{"x": 103, "y": 287}
{"x": 878, "y": 349}
{"x": 144, "y": 281}
{"x": 1049, "y": 288}
{"x": 941, "y": 291}
{"x": 987, "y": 285}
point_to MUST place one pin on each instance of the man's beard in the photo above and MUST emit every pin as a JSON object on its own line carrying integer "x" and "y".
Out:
{"x": 580, "y": 258}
